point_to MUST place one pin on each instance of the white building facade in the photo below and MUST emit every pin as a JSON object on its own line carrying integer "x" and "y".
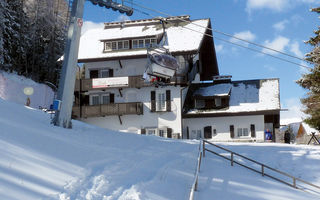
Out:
{"x": 111, "y": 92}
{"x": 232, "y": 110}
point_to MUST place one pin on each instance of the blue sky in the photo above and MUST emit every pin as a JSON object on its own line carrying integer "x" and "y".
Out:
{"x": 279, "y": 24}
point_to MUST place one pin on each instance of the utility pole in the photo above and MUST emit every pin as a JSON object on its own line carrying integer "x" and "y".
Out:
{"x": 68, "y": 73}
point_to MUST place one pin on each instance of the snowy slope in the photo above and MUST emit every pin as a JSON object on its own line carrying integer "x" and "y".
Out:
{"x": 39, "y": 161}
{"x": 218, "y": 180}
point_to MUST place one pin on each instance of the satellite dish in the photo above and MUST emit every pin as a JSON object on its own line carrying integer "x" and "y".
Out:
{"x": 28, "y": 91}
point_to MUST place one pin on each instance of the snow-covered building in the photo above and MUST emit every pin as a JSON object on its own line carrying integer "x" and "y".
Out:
{"x": 112, "y": 93}
{"x": 228, "y": 110}
{"x": 300, "y": 133}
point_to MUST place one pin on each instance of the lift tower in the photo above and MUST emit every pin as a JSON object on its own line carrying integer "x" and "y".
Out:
{"x": 68, "y": 73}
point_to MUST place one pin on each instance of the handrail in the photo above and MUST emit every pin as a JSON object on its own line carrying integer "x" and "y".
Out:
{"x": 263, "y": 166}
{"x": 195, "y": 181}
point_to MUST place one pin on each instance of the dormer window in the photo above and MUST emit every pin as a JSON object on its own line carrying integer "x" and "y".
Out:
{"x": 116, "y": 45}
{"x": 144, "y": 43}
{"x": 129, "y": 44}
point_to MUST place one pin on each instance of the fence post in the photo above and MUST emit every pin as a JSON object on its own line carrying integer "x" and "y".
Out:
{"x": 294, "y": 182}
{"x": 231, "y": 158}
{"x": 262, "y": 170}
{"x": 203, "y": 148}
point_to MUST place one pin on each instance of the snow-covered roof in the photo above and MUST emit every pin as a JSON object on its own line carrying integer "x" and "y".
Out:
{"x": 249, "y": 96}
{"x": 182, "y": 37}
{"x": 295, "y": 128}
{"x": 214, "y": 90}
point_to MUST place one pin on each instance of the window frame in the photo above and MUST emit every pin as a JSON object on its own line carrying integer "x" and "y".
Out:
{"x": 242, "y": 134}
{"x": 92, "y": 101}
{"x": 101, "y": 99}
{"x": 161, "y": 101}
{"x": 151, "y": 129}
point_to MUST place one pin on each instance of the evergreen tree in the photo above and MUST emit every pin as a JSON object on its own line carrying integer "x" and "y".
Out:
{"x": 311, "y": 81}
{"x": 2, "y": 20}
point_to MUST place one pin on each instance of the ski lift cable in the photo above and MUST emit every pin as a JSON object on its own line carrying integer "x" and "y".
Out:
{"x": 225, "y": 34}
{"x": 233, "y": 43}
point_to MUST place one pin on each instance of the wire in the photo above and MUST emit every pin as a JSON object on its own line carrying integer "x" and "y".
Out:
{"x": 227, "y": 41}
{"x": 226, "y": 34}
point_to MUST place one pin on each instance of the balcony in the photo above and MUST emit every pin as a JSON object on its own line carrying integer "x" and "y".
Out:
{"x": 130, "y": 82}
{"x": 114, "y": 82}
{"x": 135, "y": 108}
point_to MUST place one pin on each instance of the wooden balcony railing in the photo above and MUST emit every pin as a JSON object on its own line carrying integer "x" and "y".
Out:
{"x": 133, "y": 82}
{"x": 135, "y": 108}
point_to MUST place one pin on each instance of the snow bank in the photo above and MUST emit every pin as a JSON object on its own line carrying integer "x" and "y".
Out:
{"x": 41, "y": 161}
{"x": 12, "y": 86}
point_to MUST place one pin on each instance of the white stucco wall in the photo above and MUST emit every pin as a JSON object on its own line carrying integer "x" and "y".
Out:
{"x": 134, "y": 123}
{"x": 222, "y": 126}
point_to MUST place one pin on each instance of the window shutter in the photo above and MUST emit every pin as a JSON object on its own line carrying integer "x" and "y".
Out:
{"x": 110, "y": 72}
{"x": 169, "y": 132}
{"x": 111, "y": 98}
{"x": 168, "y": 100}
{"x": 86, "y": 100}
{"x": 143, "y": 131}
{"x": 231, "y": 131}
{"x": 207, "y": 132}
{"x": 253, "y": 130}
{"x": 153, "y": 101}
{"x": 94, "y": 74}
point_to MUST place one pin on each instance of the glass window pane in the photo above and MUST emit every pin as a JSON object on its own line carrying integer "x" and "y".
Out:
{"x": 95, "y": 100}
{"x": 239, "y": 132}
{"x": 105, "y": 99}
{"x": 104, "y": 73}
{"x": 245, "y": 132}
{"x": 120, "y": 45}
{"x": 134, "y": 44}
{"x": 151, "y": 131}
{"x": 114, "y": 45}
{"x": 147, "y": 43}
{"x": 107, "y": 46}
{"x": 141, "y": 43}
{"x": 153, "y": 42}
{"x": 126, "y": 44}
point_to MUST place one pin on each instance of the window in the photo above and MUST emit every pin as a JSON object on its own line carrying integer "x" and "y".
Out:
{"x": 104, "y": 73}
{"x": 153, "y": 42}
{"x": 199, "y": 103}
{"x": 243, "y": 132}
{"x": 161, "y": 101}
{"x": 217, "y": 101}
{"x": 107, "y": 46}
{"x": 95, "y": 100}
{"x": 105, "y": 99}
{"x": 147, "y": 43}
{"x": 126, "y": 44}
{"x": 116, "y": 45}
{"x": 140, "y": 43}
{"x": 162, "y": 132}
{"x": 120, "y": 45}
{"x": 151, "y": 131}
{"x": 144, "y": 43}
{"x": 134, "y": 44}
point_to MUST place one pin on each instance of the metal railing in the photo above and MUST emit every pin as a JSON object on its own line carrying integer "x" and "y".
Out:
{"x": 263, "y": 167}
{"x": 195, "y": 181}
